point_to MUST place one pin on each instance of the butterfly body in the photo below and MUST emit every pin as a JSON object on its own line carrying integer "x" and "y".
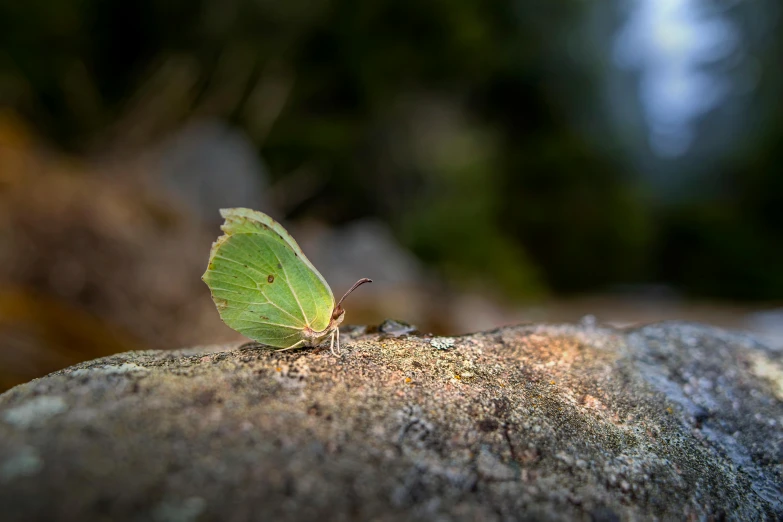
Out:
{"x": 312, "y": 338}
{"x": 265, "y": 287}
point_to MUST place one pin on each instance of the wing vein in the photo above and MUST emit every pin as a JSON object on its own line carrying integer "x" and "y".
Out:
{"x": 304, "y": 315}
{"x": 312, "y": 299}
{"x": 284, "y": 311}
{"x": 238, "y": 293}
{"x": 285, "y": 275}
{"x": 272, "y": 324}
{"x": 235, "y": 284}
{"x": 252, "y": 266}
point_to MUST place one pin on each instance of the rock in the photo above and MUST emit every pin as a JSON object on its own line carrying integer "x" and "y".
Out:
{"x": 395, "y": 328}
{"x": 186, "y": 165}
{"x": 544, "y": 422}
{"x": 366, "y": 246}
{"x": 402, "y": 286}
{"x": 94, "y": 264}
{"x": 768, "y": 325}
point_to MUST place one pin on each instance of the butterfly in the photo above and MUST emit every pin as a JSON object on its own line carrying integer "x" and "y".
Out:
{"x": 266, "y": 289}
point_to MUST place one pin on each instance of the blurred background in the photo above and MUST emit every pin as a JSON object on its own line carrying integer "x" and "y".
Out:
{"x": 486, "y": 163}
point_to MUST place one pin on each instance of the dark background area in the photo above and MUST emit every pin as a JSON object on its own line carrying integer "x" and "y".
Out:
{"x": 486, "y": 162}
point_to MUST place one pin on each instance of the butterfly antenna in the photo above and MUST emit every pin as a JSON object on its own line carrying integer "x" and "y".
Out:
{"x": 356, "y": 285}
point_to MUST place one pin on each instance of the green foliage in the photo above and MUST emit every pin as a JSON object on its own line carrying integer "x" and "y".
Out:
{"x": 714, "y": 251}
{"x": 731, "y": 246}
{"x": 577, "y": 215}
{"x": 506, "y": 193}
{"x": 454, "y": 222}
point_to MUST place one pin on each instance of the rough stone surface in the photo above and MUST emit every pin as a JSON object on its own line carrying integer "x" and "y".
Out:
{"x": 542, "y": 422}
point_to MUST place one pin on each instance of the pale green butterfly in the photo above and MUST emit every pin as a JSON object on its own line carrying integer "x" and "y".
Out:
{"x": 266, "y": 289}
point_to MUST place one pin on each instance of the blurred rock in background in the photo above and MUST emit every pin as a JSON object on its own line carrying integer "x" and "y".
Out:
{"x": 93, "y": 263}
{"x": 768, "y": 324}
{"x": 208, "y": 165}
{"x": 367, "y": 248}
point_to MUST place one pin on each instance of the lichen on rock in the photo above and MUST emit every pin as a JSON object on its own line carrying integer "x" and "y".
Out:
{"x": 545, "y": 422}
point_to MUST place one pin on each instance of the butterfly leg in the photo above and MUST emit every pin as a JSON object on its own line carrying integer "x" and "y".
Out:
{"x": 331, "y": 344}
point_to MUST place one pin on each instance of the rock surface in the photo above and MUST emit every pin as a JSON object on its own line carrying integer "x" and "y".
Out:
{"x": 541, "y": 422}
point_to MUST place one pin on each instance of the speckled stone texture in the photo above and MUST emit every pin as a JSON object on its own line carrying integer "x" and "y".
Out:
{"x": 543, "y": 422}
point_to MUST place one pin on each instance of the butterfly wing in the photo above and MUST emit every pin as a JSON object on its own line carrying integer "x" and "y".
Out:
{"x": 244, "y": 218}
{"x": 262, "y": 283}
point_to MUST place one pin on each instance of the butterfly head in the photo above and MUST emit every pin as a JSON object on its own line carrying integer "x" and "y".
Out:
{"x": 338, "y": 314}
{"x": 337, "y": 318}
